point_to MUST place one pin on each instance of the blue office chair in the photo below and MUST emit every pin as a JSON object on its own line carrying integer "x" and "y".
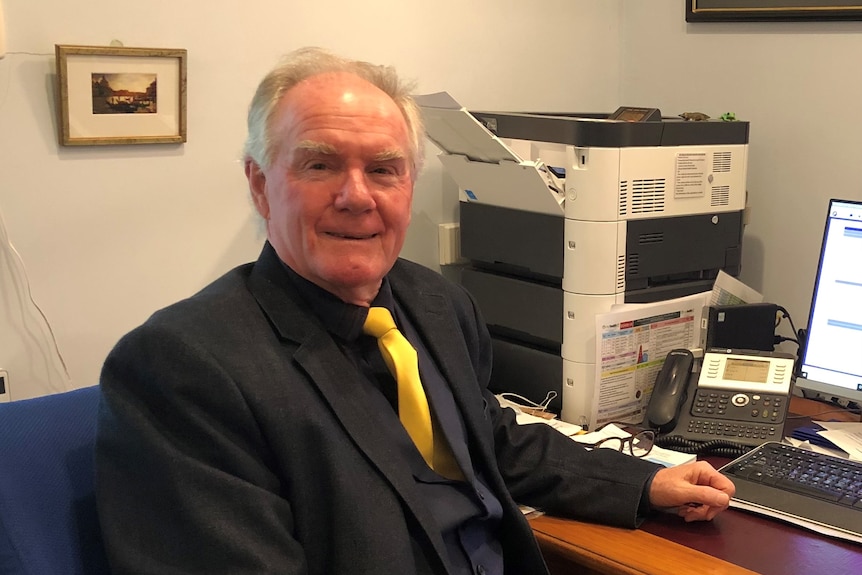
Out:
{"x": 48, "y": 521}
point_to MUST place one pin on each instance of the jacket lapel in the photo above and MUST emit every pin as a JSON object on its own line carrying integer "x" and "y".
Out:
{"x": 337, "y": 380}
{"x": 434, "y": 317}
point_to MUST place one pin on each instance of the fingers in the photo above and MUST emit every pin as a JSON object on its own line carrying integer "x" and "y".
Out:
{"x": 704, "y": 474}
{"x": 711, "y": 497}
{"x": 695, "y": 512}
{"x": 707, "y": 502}
{"x": 702, "y": 513}
{"x": 696, "y": 492}
{"x": 723, "y": 484}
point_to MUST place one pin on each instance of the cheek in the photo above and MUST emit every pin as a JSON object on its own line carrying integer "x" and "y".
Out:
{"x": 291, "y": 206}
{"x": 397, "y": 211}
{"x": 286, "y": 217}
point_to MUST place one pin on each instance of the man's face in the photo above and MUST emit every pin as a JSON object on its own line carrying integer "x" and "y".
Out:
{"x": 337, "y": 196}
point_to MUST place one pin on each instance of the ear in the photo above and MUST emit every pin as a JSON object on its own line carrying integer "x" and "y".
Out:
{"x": 257, "y": 187}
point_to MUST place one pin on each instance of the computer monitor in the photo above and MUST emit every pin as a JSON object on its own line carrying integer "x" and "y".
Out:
{"x": 832, "y": 360}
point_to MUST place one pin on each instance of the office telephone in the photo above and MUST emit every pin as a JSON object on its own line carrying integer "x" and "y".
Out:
{"x": 738, "y": 397}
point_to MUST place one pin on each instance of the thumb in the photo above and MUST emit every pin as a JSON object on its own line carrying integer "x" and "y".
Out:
{"x": 710, "y": 496}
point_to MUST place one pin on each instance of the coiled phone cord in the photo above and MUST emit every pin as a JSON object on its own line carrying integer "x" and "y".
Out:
{"x": 718, "y": 447}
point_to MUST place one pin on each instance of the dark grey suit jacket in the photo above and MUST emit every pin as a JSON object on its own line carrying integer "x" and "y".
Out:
{"x": 234, "y": 437}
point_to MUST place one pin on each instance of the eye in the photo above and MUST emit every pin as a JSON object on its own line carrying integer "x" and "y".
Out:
{"x": 317, "y": 166}
{"x": 385, "y": 170}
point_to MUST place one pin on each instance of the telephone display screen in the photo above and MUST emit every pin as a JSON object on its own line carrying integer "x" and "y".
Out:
{"x": 752, "y": 370}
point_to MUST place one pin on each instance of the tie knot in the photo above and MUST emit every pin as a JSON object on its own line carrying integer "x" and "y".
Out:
{"x": 378, "y": 322}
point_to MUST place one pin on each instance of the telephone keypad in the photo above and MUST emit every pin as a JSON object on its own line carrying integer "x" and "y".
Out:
{"x": 738, "y": 406}
{"x": 706, "y": 429}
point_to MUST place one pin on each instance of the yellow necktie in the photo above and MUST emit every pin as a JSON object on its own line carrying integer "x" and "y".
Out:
{"x": 413, "y": 410}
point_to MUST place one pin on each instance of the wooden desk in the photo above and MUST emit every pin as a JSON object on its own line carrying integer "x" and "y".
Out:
{"x": 598, "y": 549}
{"x": 734, "y": 543}
{"x": 813, "y": 410}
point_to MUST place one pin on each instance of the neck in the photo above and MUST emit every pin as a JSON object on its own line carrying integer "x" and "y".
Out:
{"x": 360, "y": 295}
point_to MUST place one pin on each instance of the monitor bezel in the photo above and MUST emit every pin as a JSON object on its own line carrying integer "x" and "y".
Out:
{"x": 829, "y": 391}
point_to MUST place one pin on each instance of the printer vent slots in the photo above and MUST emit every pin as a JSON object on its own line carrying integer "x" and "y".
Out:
{"x": 624, "y": 198}
{"x": 621, "y": 273}
{"x": 720, "y": 196}
{"x": 721, "y": 162}
{"x": 648, "y": 196}
{"x": 651, "y": 238}
{"x": 633, "y": 264}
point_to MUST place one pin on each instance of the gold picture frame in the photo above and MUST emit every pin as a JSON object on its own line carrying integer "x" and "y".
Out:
{"x": 117, "y": 95}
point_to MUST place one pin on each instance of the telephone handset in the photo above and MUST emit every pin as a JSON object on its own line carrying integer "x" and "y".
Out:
{"x": 670, "y": 391}
{"x": 738, "y": 396}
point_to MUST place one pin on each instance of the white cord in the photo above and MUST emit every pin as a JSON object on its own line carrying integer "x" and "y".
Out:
{"x": 528, "y": 403}
{"x": 4, "y": 236}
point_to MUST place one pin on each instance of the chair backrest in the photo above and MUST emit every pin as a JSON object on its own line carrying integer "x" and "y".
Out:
{"x": 48, "y": 521}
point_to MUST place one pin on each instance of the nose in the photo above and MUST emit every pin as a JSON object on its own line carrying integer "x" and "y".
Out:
{"x": 355, "y": 194}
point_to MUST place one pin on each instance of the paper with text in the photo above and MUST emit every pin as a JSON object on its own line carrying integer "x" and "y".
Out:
{"x": 631, "y": 344}
{"x": 727, "y": 290}
{"x": 845, "y": 434}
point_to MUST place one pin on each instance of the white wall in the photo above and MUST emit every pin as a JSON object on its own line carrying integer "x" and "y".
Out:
{"x": 108, "y": 235}
{"x": 798, "y": 84}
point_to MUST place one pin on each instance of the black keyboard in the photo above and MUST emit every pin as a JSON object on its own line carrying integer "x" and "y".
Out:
{"x": 795, "y": 484}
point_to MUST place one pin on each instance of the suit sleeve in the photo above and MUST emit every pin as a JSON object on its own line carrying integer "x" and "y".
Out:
{"x": 182, "y": 481}
{"x": 545, "y": 469}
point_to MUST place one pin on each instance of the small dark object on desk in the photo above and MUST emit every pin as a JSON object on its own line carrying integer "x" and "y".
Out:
{"x": 694, "y": 116}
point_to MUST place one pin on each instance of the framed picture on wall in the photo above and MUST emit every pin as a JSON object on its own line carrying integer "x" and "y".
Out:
{"x": 771, "y": 10}
{"x": 117, "y": 95}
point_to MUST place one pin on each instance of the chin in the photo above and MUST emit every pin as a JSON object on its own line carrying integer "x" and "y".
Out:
{"x": 351, "y": 275}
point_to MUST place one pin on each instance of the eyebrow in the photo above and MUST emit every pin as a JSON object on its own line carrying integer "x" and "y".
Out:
{"x": 391, "y": 154}
{"x": 313, "y": 146}
{"x": 318, "y": 147}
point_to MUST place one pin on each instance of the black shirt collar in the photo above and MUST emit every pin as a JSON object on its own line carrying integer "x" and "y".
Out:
{"x": 342, "y": 319}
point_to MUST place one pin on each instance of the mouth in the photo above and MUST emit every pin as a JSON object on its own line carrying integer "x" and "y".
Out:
{"x": 351, "y": 236}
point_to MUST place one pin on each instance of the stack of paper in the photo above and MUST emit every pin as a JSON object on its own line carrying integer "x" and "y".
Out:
{"x": 846, "y": 435}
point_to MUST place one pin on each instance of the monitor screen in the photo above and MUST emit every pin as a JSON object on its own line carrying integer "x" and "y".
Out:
{"x": 832, "y": 361}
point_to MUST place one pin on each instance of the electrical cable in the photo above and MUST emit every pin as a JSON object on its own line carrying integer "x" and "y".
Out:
{"x": 786, "y": 314}
{"x": 719, "y": 447}
{"x": 799, "y": 340}
{"x": 5, "y": 240}
{"x": 543, "y": 406}
{"x": 781, "y": 338}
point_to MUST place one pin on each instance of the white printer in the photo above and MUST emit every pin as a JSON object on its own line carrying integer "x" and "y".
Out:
{"x": 564, "y": 215}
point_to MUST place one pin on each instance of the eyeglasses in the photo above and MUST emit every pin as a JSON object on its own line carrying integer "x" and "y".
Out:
{"x": 638, "y": 444}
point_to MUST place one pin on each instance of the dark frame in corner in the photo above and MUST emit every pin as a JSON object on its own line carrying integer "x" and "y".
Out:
{"x": 771, "y": 10}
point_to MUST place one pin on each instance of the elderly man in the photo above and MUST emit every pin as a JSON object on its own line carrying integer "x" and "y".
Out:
{"x": 275, "y": 422}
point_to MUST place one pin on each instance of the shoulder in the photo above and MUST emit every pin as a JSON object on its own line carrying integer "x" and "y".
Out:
{"x": 412, "y": 280}
{"x": 407, "y": 268}
{"x": 429, "y": 290}
{"x": 222, "y": 297}
{"x": 198, "y": 318}
{"x": 422, "y": 280}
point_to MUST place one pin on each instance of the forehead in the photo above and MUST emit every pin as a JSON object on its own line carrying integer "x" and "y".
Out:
{"x": 339, "y": 106}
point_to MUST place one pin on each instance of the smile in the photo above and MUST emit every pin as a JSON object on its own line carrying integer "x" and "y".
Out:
{"x": 351, "y": 237}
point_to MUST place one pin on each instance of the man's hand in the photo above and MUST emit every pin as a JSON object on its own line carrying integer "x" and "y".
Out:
{"x": 696, "y": 491}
